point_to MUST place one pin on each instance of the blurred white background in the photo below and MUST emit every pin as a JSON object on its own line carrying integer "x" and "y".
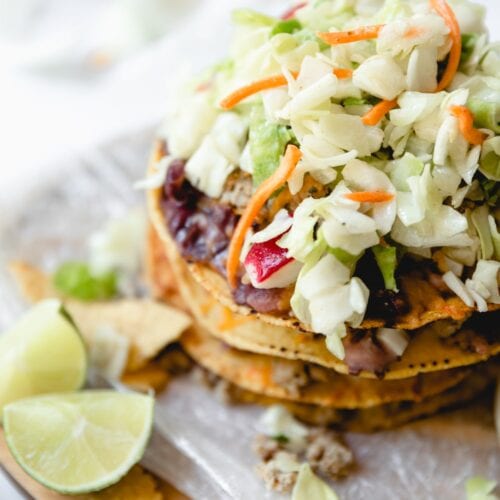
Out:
{"x": 76, "y": 73}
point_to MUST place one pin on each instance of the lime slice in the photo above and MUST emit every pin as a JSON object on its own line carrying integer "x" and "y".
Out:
{"x": 79, "y": 442}
{"x": 43, "y": 352}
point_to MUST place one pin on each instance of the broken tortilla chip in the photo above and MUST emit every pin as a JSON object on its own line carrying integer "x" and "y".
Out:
{"x": 148, "y": 377}
{"x": 33, "y": 283}
{"x": 147, "y": 325}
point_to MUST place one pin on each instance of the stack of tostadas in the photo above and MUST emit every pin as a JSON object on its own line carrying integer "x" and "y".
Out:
{"x": 277, "y": 360}
{"x": 327, "y": 200}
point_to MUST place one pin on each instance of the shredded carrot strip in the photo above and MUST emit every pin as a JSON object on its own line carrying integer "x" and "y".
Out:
{"x": 289, "y": 14}
{"x": 269, "y": 83}
{"x": 342, "y": 73}
{"x": 259, "y": 198}
{"x": 355, "y": 35}
{"x": 369, "y": 196}
{"x": 378, "y": 112}
{"x": 446, "y": 12}
{"x": 466, "y": 124}
{"x": 242, "y": 93}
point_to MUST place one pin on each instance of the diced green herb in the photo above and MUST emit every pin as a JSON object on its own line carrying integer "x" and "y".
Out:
{"x": 288, "y": 26}
{"x": 76, "y": 280}
{"x": 387, "y": 262}
{"x": 281, "y": 439}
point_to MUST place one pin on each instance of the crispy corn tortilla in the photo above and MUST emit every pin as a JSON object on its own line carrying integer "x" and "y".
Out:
{"x": 275, "y": 377}
{"x": 377, "y": 418}
{"x": 425, "y": 353}
{"x": 426, "y": 304}
{"x": 148, "y": 326}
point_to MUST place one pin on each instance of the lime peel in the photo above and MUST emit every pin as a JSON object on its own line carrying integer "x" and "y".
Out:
{"x": 42, "y": 353}
{"x": 81, "y": 442}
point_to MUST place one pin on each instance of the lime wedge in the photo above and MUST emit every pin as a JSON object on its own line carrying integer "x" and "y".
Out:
{"x": 79, "y": 442}
{"x": 43, "y": 352}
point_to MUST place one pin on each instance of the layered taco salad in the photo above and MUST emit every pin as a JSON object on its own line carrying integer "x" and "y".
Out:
{"x": 327, "y": 197}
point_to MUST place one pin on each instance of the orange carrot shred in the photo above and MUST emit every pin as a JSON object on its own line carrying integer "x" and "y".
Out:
{"x": 378, "y": 112}
{"x": 446, "y": 12}
{"x": 242, "y": 93}
{"x": 259, "y": 198}
{"x": 466, "y": 124}
{"x": 342, "y": 73}
{"x": 369, "y": 196}
{"x": 272, "y": 82}
{"x": 354, "y": 35}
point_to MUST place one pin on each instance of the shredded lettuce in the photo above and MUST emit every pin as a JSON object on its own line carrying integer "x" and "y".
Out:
{"x": 75, "y": 279}
{"x": 479, "y": 488}
{"x": 309, "y": 486}
{"x": 386, "y": 258}
{"x": 267, "y": 144}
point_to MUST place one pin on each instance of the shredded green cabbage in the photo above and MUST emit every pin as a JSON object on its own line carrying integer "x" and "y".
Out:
{"x": 267, "y": 144}
{"x": 287, "y": 26}
{"x": 386, "y": 257}
{"x": 490, "y": 159}
{"x": 437, "y": 190}
{"x": 346, "y": 258}
{"x": 486, "y": 114}
{"x": 75, "y": 279}
{"x": 479, "y": 218}
{"x": 469, "y": 41}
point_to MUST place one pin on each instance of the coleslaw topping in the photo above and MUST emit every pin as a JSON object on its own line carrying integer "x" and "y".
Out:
{"x": 393, "y": 108}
